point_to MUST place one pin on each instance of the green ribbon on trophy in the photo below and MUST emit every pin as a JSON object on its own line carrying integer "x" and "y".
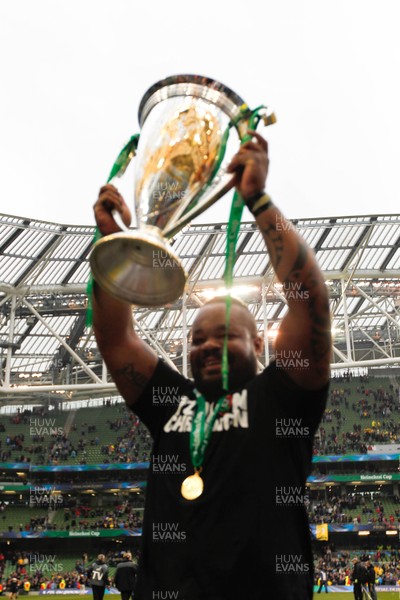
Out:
{"x": 118, "y": 169}
{"x": 235, "y": 218}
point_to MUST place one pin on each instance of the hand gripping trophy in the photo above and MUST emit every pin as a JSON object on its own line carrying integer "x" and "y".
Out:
{"x": 185, "y": 122}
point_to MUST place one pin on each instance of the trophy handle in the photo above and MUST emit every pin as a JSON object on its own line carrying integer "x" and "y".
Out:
{"x": 118, "y": 220}
{"x": 222, "y": 188}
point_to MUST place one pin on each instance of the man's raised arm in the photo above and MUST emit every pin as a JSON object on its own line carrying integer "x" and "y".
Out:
{"x": 303, "y": 343}
{"x": 129, "y": 359}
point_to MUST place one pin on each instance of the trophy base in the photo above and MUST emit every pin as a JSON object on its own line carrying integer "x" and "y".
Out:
{"x": 138, "y": 267}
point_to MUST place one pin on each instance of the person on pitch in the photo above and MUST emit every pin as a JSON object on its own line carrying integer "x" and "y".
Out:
{"x": 242, "y": 451}
{"x": 98, "y": 577}
{"x": 323, "y": 578}
{"x": 125, "y": 577}
{"x": 13, "y": 587}
{"x": 358, "y": 577}
{"x": 371, "y": 576}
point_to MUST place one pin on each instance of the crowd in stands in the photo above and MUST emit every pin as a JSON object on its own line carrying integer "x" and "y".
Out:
{"x": 123, "y": 516}
{"x": 127, "y": 514}
{"x": 339, "y": 566}
{"x": 357, "y": 416}
{"x": 336, "y": 510}
{"x": 131, "y": 443}
{"x": 127, "y": 447}
{"x": 376, "y": 415}
{"x": 76, "y": 515}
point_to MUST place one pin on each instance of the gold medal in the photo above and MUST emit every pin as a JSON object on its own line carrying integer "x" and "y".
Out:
{"x": 192, "y": 487}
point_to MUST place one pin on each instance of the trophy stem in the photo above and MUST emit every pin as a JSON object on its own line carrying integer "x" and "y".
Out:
{"x": 138, "y": 267}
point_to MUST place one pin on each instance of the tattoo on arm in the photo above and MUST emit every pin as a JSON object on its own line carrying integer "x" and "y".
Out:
{"x": 128, "y": 372}
{"x": 294, "y": 278}
{"x": 274, "y": 243}
{"x": 320, "y": 335}
{"x": 308, "y": 281}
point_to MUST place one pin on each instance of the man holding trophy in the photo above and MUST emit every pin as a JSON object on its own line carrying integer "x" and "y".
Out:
{"x": 230, "y": 524}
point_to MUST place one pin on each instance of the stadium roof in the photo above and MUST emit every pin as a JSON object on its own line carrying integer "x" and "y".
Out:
{"x": 44, "y": 344}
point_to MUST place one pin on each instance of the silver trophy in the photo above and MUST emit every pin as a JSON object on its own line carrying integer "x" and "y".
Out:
{"x": 184, "y": 120}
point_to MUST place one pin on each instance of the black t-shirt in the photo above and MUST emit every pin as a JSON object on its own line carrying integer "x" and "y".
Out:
{"x": 247, "y": 535}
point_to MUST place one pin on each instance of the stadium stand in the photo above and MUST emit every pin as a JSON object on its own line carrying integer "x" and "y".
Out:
{"x": 116, "y": 436}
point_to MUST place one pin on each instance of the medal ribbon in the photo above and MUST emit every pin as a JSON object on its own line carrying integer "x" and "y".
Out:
{"x": 202, "y": 429}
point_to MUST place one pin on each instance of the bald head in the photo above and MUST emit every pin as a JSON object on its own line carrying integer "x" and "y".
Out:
{"x": 239, "y": 307}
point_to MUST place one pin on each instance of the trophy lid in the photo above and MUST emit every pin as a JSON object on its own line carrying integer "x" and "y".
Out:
{"x": 197, "y": 86}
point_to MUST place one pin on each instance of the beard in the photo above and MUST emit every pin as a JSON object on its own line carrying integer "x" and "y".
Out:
{"x": 207, "y": 373}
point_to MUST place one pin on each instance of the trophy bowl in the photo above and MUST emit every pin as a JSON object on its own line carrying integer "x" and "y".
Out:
{"x": 182, "y": 121}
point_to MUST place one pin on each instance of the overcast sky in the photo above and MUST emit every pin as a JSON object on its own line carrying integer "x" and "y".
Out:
{"x": 73, "y": 74}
